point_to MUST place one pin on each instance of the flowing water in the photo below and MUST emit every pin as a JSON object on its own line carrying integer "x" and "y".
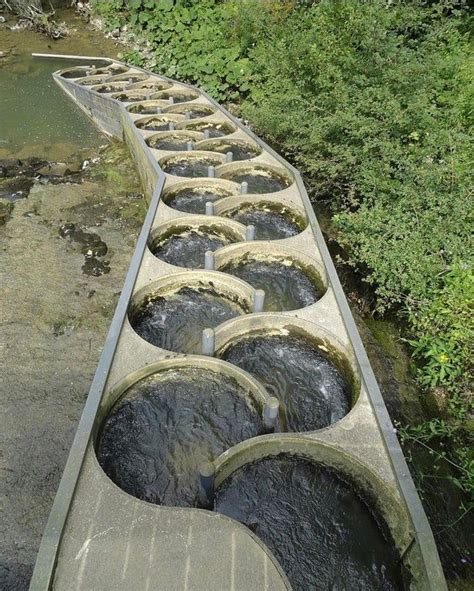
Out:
{"x": 147, "y": 107}
{"x": 190, "y": 167}
{"x": 193, "y": 200}
{"x": 321, "y": 532}
{"x": 110, "y": 87}
{"x": 286, "y": 286}
{"x": 213, "y": 129}
{"x": 239, "y": 151}
{"x": 130, "y": 97}
{"x": 195, "y": 112}
{"x": 259, "y": 180}
{"x": 311, "y": 390}
{"x": 178, "y": 97}
{"x": 188, "y": 247}
{"x": 37, "y": 118}
{"x": 151, "y": 86}
{"x": 159, "y": 123}
{"x": 269, "y": 225}
{"x": 166, "y": 425}
{"x": 176, "y": 322}
{"x": 177, "y": 142}
{"x": 129, "y": 78}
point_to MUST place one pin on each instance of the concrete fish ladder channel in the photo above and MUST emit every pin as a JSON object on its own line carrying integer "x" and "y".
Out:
{"x": 202, "y": 170}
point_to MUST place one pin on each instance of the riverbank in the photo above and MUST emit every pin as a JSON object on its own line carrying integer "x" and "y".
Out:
{"x": 71, "y": 210}
{"x": 65, "y": 253}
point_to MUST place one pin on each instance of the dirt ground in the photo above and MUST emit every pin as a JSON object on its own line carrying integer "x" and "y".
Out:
{"x": 53, "y": 321}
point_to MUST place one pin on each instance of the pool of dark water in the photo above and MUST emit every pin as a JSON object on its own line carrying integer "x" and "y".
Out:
{"x": 153, "y": 85}
{"x": 312, "y": 391}
{"x": 92, "y": 80}
{"x": 320, "y": 530}
{"x": 110, "y": 88}
{"x": 190, "y": 167}
{"x": 213, "y": 129}
{"x": 239, "y": 150}
{"x": 186, "y": 248}
{"x": 259, "y": 180}
{"x": 194, "y": 112}
{"x": 177, "y": 142}
{"x": 269, "y": 224}
{"x": 129, "y": 78}
{"x": 147, "y": 108}
{"x": 166, "y": 425}
{"x": 176, "y": 322}
{"x": 194, "y": 199}
{"x": 159, "y": 123}
{"x": 286, "y": 286}
{"x": 178, "y": 97}
{"x": 129, "y": 97}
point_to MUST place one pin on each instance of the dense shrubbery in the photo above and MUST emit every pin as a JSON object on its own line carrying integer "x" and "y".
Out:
{"x": 373, "y": 101}
{"x": 185, "y": 40}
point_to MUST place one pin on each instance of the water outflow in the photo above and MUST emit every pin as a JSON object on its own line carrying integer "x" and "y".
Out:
{"x": 128, "y": 97}
{"x": 176, "y": 322}
{"x": 286, "y": 286}
{"x": 166, "y": 425}
{"x": 161, "y": 123}
{"x": 269, "y": 225}
{"x": 93, "y": 80}
{"x": 178, "y": 97}
{"x": 312, "y": 391}
{"x": 129, "y": 78}
{"x": 177, "y": 142}
{"x": 321, "y": 532}
{"x": 190, "y": 167}
{"x": 110, "y": 87}
{"x": 147, "y": 107}
{"x": 193, "y": 200}
{"x": 195, "y": 112}
{"x": 188, "y": 247}
{"x": 239, "y": 151}
{"x": 259, "y": 180}
{"x": 213, "y": 129}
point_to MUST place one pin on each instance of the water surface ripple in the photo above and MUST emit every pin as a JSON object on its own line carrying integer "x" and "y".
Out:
{"x": 176, "y": 322}
{"x": 188, "y": 248}
{"x": 287, "y": 287}
{"x": 319, "y": 529}
{"x": 312, "y": 391}
{"x": 166, "y": 425}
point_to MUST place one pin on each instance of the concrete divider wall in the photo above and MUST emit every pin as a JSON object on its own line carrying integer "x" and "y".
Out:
{"x": 97, "y": 535}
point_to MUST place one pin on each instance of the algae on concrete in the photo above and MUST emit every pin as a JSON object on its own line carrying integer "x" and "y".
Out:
{"x": 54, "y": 319}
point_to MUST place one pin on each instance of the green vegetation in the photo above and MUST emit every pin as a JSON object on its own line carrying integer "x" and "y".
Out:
{"x": 373, "y": 102}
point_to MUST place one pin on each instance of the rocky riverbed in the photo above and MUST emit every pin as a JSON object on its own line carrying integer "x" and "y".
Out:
{"x": 66, "y": 247}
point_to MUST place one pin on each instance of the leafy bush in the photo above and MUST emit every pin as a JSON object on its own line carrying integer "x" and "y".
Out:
{"x": 188, "y": 40}
{"x": 373, "y": 102}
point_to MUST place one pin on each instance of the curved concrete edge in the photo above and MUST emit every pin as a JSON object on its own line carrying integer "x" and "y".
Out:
{"x": 252, "y": 390}
{"x": 185, "y": 549}
{"x": 376, "y": 493}
{"x": 104, "y": 114}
